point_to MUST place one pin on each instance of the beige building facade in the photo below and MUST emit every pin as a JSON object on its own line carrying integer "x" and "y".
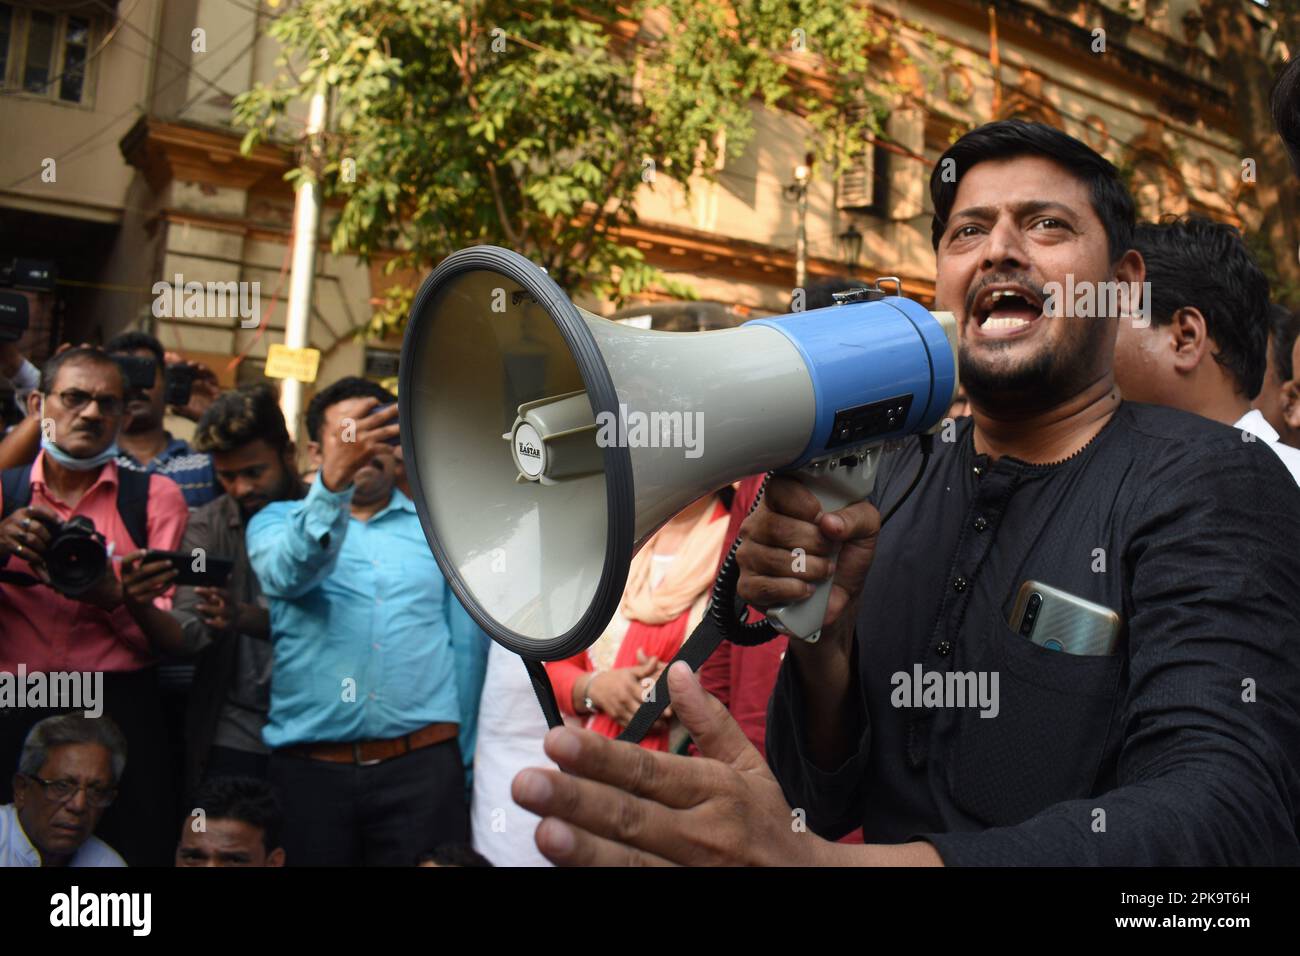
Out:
{"x": 134, "y": 177}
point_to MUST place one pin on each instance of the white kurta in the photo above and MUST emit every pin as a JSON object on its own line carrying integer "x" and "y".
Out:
{"x": 1255, "y": 423}
{"x": 510, "y": 732}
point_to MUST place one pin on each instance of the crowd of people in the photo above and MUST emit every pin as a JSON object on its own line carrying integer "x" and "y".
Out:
{"x": 324, "y": 692}
{"x": 325, "y": 699}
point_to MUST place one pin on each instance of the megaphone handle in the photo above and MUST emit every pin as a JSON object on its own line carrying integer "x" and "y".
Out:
{"x": 836, "y": 486}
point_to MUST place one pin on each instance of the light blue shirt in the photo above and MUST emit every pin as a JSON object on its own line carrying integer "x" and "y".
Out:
{"x": 369, "y": 641}
{"x": 17, "y": 850}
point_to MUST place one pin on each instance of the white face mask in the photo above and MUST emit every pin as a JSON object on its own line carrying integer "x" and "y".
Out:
{"x": 71, "y": 462}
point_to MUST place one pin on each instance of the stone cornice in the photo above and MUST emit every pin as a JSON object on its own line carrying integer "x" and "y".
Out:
{"x": 164, "y": 151}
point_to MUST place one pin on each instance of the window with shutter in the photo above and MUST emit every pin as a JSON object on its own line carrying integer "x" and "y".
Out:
{"x": 859, "y": 184}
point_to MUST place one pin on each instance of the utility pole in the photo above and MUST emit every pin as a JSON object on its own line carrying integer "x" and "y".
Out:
{"x": 306, "y": 222}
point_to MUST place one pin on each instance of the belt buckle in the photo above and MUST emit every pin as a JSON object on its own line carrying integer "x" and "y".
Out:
{"x": 356, "y": 756}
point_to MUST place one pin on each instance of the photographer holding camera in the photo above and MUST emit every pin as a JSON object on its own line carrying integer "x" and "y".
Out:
{"x": 66, "y": 520}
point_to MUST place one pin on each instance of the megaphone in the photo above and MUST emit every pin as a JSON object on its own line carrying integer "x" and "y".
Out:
{"x": 545, "y": 444}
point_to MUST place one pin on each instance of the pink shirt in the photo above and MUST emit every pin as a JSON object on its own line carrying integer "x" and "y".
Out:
{"x": 48, "y": 632}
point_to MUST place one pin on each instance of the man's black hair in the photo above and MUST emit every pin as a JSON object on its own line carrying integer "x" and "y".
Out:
{"x": 1194, "y": 261}
{"x": 1283, "y": 327}
{"x": 341, "y": 391}
{"x": 454, "y": 854}
{"x": 50, "y": 372}
{"x": 240, "y": 417}
{"x": 1005, "y": 139}
{"x": 246, "y": 799}
{"x": 1286, "y": 109}
{"x": 135, "y": 341}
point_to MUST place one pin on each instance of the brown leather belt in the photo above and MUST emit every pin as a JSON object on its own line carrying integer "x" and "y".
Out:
{"x": 366, "y": 753}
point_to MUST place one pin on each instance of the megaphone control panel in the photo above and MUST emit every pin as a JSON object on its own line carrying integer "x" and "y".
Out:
{"x": 854, "y": 426}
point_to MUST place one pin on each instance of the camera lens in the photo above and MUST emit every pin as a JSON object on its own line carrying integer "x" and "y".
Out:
{"x": 76, "y": 558}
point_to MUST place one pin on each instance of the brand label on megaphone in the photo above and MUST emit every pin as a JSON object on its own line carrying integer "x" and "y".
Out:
{"x": 528, "y": 450}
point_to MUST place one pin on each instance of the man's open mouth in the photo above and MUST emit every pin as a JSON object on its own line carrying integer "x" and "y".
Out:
{"x": 1004, "y": 310}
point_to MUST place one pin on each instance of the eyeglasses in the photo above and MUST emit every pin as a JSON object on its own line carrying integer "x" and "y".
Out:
{"x": 61, "y": 791}
{"x": 74, "y": 398}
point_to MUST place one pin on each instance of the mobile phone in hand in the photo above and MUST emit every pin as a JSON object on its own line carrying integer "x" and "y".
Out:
{"x": 395, "y": 440}
{"x": 215, "y": 573}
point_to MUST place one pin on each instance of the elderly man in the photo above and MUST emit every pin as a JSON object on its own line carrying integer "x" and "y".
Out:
{"x": 66, "y": 778}
{"x": 1178, "y": 744}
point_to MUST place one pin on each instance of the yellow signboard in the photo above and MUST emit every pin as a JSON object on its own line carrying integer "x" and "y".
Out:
{"x": 284, "y": 362}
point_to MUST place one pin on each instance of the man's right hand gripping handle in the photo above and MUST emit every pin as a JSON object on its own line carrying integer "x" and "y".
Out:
{"x": 785, "y": 546}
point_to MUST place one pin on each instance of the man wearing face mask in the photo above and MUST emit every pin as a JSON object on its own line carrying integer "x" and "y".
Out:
{"x": 111, "y": 626}
{"x": 377, "y": 668}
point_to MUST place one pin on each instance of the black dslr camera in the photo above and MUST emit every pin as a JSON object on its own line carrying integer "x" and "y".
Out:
{"x": 76, "y": 558}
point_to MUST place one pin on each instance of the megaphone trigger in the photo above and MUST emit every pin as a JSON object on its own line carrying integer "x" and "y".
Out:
{"x": 837, "y": 482}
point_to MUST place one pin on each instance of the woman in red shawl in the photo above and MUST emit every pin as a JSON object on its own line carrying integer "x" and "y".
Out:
{"x": 667, "y": 593}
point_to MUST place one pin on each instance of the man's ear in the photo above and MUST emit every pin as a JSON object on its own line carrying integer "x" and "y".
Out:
{"x": 275, "y": 857}
{"x": 34, "y": 398}
{"x": 315, "y": 453}
{"x": 1291, "y": 403}
{"x": 20, "y": 791}
{"x": 1189, "y": 336}
{"x": 1131, "y": 268}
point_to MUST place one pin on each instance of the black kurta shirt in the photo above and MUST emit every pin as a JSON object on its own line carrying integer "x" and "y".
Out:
{"x": 1181, "y": 748}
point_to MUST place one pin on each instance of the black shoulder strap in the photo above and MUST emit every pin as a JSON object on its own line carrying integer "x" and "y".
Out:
{"x": 16, "y": 486}
{"x": 133, "y": 504}
{"x": 695, "y": 650}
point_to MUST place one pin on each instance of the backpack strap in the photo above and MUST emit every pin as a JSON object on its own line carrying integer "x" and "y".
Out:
{"x": 16, "y": 486}
{"x": 133, "y": 504}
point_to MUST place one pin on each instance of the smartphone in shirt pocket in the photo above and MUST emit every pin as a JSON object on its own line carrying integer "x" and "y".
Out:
{"x": 1060, "y": 621}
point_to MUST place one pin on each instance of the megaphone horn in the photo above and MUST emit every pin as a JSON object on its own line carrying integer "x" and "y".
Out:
{"x": 610, "y": 430}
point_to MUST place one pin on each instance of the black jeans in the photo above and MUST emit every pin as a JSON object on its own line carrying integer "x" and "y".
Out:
{"x": 385, "y": 814}
{"x": 229, "y": 762}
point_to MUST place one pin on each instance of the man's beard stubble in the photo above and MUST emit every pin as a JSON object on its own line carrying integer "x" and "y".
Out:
{"x": 283, "y": 491}
{"x": 1044, "y": 380}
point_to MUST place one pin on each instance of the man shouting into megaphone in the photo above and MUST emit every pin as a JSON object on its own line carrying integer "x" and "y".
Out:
{"x": 924, "y": 714}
